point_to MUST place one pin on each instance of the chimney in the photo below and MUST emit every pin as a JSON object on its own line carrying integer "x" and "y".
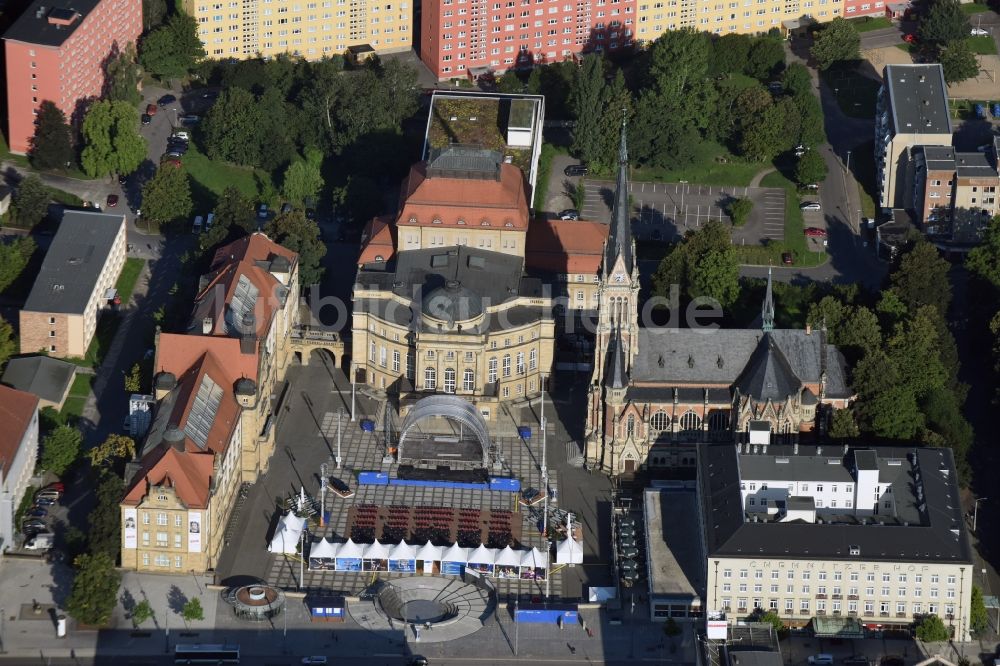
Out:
{"x": 206, "y": 326}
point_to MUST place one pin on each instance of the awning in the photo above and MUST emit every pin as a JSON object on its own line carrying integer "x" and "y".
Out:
{"x": 508, "y": 557}
{"x": 323, "y": 549}
{"x": 403, "y": 551}
{"x": 837, "y": 627}
{"x": 569, "y": 551}
{"x": 482, "y": 555}
{"x": 429, "y": 551}
{"x": 376, "y": 551}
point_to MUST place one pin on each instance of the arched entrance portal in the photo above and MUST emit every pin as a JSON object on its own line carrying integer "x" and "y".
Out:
{"x": 444, "y": 429}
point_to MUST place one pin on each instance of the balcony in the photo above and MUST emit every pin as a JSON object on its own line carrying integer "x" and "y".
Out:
{"x": 869, "y": 614}
{"x": 852, "y": 597}
{"x": 820, "y": 612}
{"x": 883, "y": 614}
{"x": 837, "y": 596}
{"x": 821, "y": 596}
{"x": 852, "y": 613}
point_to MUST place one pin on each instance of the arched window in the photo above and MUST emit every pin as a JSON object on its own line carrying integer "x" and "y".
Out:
{"x": 506, "y": 365}
{"x": 430, "y": 378}
{"x": 469, "y": 380}
{"x": 718, "y": 421}
{"x": 690, "y": 422}
{"x": 630, "y": 426}
{"x": 449, "y": 380}
{"x": 491, "y": 375}
{"x": 659, "y": 422}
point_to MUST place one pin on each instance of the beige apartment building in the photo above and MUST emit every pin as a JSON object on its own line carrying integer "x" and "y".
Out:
{"x": 74, "y": 284}
{"x": 911, "y": 111}
{"x": 215, "y": 417}
{"x": 311, "y": 29}
{"x": 955, "y": 194}
{"x": 654, "y": 17}
{"x": 856, "y": 538}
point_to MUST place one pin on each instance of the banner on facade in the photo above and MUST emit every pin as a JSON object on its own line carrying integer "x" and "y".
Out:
{"x": 194, "y": 531}
{"x": 129, "y": 529}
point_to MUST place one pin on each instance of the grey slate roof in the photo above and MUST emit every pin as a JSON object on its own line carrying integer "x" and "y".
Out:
{"x": 48, "y": 378}
{"x": 768, "y": 376}
{"x": 690, "y": 356}
{"x": 35, "y": 29}
{"x": 974, "y": 165}
{"x": 619, "y": 242}
{"x": 615, "y": 375}
{"x": 939, "y": 534}
{"x": 74, "y": 261}
{"x": 939, "y": 158}
{"x": 918, "y": 98}
{"x": 665, "y": 394}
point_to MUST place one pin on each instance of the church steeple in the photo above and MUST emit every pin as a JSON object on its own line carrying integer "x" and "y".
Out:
{"x": 620, "y": 238}
{"x": 767, "y": 310}
{"x": 616, "y": 376}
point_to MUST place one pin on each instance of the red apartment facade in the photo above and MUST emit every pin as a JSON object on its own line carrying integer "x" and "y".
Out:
{"x": 470, "y": 37}
{"x": 853, "y": 8}
{"x": 56, "y": 51}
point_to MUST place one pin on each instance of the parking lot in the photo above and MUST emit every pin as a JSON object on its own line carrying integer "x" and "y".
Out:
{"x": 666, "y": 211}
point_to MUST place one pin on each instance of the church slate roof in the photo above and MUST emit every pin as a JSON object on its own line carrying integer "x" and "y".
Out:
{"x": 680, "y": 356}
{"x": 620, "y": 238}
{"x": 768, "y": 376}
{"x": 616, "y": 377}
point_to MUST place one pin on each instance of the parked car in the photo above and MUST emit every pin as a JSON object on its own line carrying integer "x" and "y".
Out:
{"x": 189, "y": 119}
{"x": 32, "y": 532}
{"x": 628, "y": 565}
{"x": 786, "y": 258}
{"x": 775, "y": 86}
{"x": 626, "y": 542}
{"x": 822, "y": 659}
{"x": 810, "y": 205}
{"x": 165, "y": 100}
{"x": 315, "y": 659}
{"x": 122, "y": 179}
{"x": 262, "y": 212}
{"x": 980, "y": 111}
{"x": 37, "y": 512}
{"x": 995, "y": 109}
{"x": 626, "y": 531}
{"x": 33, "y": 523}
{"x": 575, "y": 170}
{"x": 45, "y": 501}
{"x": 112, "y": 200}
{"x": 41, "y": 541}
{"x": 569, "y": 214}
{"x": 57, "y": 486}
{"x": 180, "y": 134}
{"x": 286, "y": 208}
{"x": 146, "y": 119}
{"x": 815, "y": 232}
{"x": 150, "y": 109}
{"x": 48, "y": 493}
{"x": 976, "y": 32}
{"x": 179, "y": 147}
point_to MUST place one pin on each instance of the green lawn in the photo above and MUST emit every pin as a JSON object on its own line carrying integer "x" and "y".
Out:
{"x": 81, "y": 386}
{"x": 714, "y": 166}
{"x": 867, "y": 23}
{"x": 856, "y": 94}
{"x": 72, "y": 409}
{"x": 965, "y": 109}
{"x": 982, "y": 44}
{"x": 107, "y": 326}
{"x": 209, "y": 178}
{"x": 974, "y": 8}
{"x": 65, "y": 198}
{"x": 128, "y": 277}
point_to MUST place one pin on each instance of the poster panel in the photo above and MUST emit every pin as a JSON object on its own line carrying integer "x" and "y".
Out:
{"x": 194, "y": 531}
{"x": 129, "y": 528}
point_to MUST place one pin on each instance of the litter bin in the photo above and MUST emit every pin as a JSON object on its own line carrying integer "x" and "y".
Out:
{"x": 524, "y": 432}
{"x": 61, "y": 626}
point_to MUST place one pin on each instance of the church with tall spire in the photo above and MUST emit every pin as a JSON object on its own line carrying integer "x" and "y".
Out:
{"x": 657, "y": 393}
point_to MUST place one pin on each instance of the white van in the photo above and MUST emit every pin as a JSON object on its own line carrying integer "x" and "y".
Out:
{"x": 181, "y": 134}
{"x": 209, "y": 220}
{"x": 197, "y": 224}
{"x": 822, "y": 659}
{"x": 39, "y": 542}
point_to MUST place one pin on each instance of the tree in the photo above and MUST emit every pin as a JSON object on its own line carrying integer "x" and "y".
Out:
{"x": 922, "y": 279}
{"x": 133, "y": 380}
{"x": 703, "y": 264}
{"x": 192, "y": 610}
{"x": 958, "y": 61}
{"x": 8, "y": 343}
{"x": 14, "y": 258}
{"x": 771, "y": 132}
{"x": 730, "y": 53}
{"x": 843, "y": 425}
{"x": 300, "y": 234}
{"x": 811, "y": 168}
{"x": 121, "y": 447}
{"x": 60, "y": 449}
{"x": 52, "y": 144}
{"x": 838, "y": 40}
{"x": 812, "y": 132}
{"x": 31, "y": 201}
{"x": 303, "y": 177}
{"x": 153, "y": 13}
{"x": 234, "y": 209}
{"x": 95, "y": 589}
{"x": 231, "y": 128}
{"x": 113, "y": 142}
{"x": 797, "y": 81}
{"x": 979, "y": 620}
{"x": 143, "y": 611}
{"x": 587, "y": 101}
{"x": 984, "y": 260}
{"x": 104, "y": 520}
{"x": 121, "y": 77}
{"x": 768, "y": 617}
{"x": 931, "y": 629}
{"x": 739, "y": 210}
{"x": 765, "y": 59}
{"x": 509, "y": 82}
{"x": 173, "y": 49}
{"x": 167, "y": 196}
{"x": 944, "y": 23}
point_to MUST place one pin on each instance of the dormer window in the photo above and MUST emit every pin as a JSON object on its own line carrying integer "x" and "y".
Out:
{"x": 436, "y": 221}
{"x": 484, "y": 223}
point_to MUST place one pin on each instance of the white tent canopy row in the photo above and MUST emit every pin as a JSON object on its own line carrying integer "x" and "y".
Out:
{"x": 287, "y": 535}
{"x": 328, "y": 550}
{"x": 569, "y": 551}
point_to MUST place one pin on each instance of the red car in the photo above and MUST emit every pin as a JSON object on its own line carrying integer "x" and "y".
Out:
{"x": 786, "y": 258}
{"x": 112, "y": 200}
{"x": 816, "y": 232}
{"x": 57, "y": 486}
{"x": 910, "y": 38}
{"x": 150, "y": 109}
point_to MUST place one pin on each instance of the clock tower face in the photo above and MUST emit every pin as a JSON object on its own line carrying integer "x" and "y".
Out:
{"x": 619, "y": 277}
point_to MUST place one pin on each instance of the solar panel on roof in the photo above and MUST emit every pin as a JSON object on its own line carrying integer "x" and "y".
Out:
{"x": 202, "y": 416}
{"x": 243, "y": 303}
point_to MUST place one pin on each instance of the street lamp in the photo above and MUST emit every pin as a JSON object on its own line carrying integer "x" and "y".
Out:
{"x": 975, "y": 512}
{"x": 353, "y": 377}
{"x": 340, "y": 416}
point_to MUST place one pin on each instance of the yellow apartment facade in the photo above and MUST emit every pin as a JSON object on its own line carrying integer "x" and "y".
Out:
{"x": 750, "y": 17}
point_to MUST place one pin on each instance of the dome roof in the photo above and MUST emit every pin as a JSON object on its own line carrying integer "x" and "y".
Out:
{"x": 245, "y": 386}
{"x": 452, "y": 303}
